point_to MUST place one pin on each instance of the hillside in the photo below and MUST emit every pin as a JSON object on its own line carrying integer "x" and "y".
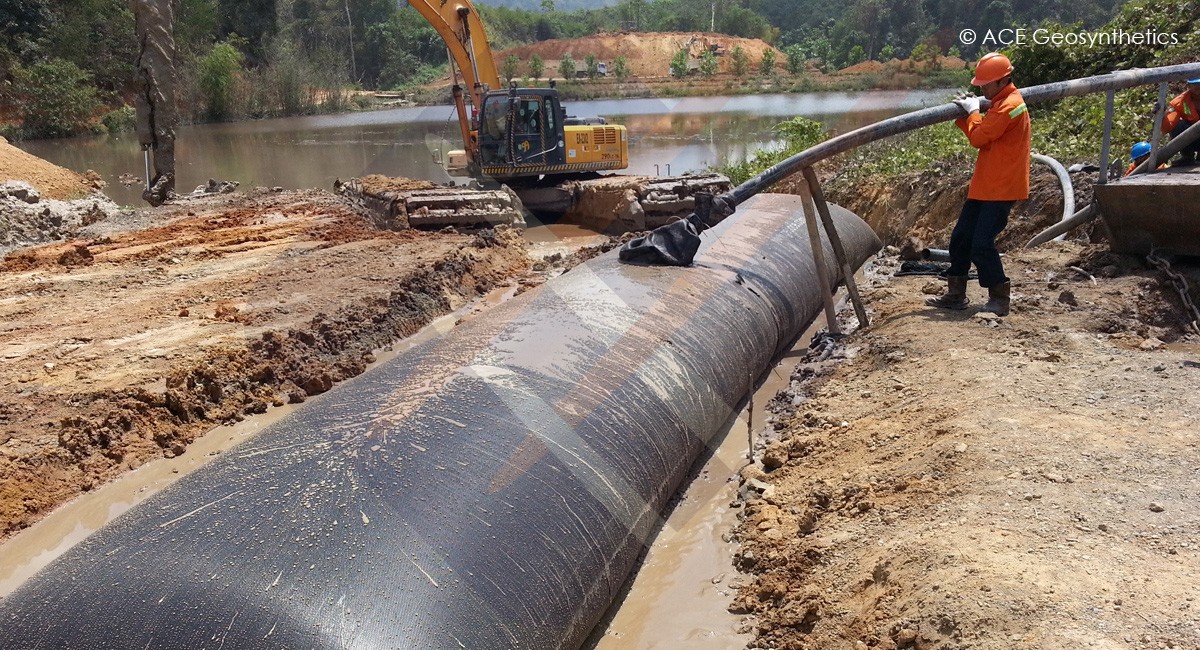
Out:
{"x": 648, "y": 54}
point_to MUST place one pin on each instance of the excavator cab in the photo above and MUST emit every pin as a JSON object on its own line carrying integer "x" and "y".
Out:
{"x": 521, "y": 128}
{"x": 521, "y": 132}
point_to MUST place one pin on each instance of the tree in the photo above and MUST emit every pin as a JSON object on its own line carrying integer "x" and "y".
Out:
{"x": 740, "y": 61}
{"x": 679, "y": 64}
{"x": 856, "y": 55}
{"x": 56, "y": 98}
{"x": 708, "y": 63}
{"x": 592, "y": 66}
{"x": 566, "y": 67}
{"x": 620, "y": 68}
{"x": 887, "y": 53}
{"x": 796, "y": 59}
{"x": 218, "y": 72}
{"x": 767, "y": 65}
{"x": 508, "y": 69}
{"x": 536, "y": 67}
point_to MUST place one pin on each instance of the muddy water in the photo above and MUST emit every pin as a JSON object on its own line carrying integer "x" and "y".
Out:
{"x": 666, "y": 136}
{"x": 680, "y": 595}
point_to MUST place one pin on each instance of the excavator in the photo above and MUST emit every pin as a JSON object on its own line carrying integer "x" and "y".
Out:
{"x": 514, "y": 134}
{"x": 525, "y": 153}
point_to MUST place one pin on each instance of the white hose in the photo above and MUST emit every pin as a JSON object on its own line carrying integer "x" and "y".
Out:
{"x": 1064, "y": 179}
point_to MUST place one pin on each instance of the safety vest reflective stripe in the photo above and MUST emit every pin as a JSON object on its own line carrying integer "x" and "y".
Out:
{"x": 1017, "y": 111}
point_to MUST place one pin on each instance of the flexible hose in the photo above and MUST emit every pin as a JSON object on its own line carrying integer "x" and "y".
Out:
{"x": 1064, "y": 180}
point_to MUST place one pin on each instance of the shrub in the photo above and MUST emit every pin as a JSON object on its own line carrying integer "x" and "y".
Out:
{"x": 508, "y": 69}
{"x": 708, "y": 63}
{"x": 740, "y": 61}
{"x": 55, "y": 98}
{"x": 767, "y": 65}
{"x": 536, "y": 67}
{"x": 679, "y": 64}
{"x": 121, "y": 120}
{"x": 620, "y": 68}
{"x": 218, "y": 76}
{"x": 566, "y": 67}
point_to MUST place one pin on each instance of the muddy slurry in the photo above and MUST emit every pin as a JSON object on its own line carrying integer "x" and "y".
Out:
{"x": 948, "y": 480}
{"x": 128, "y": 341}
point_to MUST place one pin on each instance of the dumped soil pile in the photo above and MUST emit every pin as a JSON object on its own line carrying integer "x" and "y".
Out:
{"x": 648, "y": 53}
{"x": 129, "y": 342}
{"x": 52, "y": 181}
{"x": 950, "y": 480}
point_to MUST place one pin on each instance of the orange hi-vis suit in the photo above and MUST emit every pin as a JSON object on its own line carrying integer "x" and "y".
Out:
{"x": 1003, "y": 139}
{"x": 1182, "y": 108}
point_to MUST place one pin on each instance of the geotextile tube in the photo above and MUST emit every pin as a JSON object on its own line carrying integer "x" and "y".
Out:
{"x": 491, "y": 488}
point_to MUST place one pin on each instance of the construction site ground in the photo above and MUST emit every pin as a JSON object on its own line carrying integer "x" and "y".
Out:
{"x": 940, "y": 480}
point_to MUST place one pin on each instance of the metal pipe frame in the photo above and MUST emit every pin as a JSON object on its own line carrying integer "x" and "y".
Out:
{"x": 944, "y": 113}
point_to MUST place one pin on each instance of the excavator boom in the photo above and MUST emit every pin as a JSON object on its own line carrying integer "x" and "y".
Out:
{"x": 459, "y": 25}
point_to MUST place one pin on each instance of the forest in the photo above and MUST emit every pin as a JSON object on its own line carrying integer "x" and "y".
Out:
{"x": 68, "y": 67}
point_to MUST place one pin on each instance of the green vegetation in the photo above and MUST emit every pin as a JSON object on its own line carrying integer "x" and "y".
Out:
{"x": 739, "y": 62}
{"x": 679, "y": 64}
{"x": 708, "y": 63}
{"x": 620, "y": 68}
{"x": 566, "y": 67}
{"x": 798, "y": 133}
{"x": 308, "y": 53}
{"x": 536, "y": 67}
{"x": 1070, "y": 130}
{"x": 218, "y": 78}
{"x": 55, "y": 98}
{"x": 508, "y": 69}
{"x": 767, "y": 66}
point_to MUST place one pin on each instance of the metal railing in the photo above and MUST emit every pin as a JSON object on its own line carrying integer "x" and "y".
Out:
{"x": 944, "y": 113}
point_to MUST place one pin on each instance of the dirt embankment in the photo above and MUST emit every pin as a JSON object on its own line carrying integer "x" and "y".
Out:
{"x": 148, "y": 330}
{"x": 648, "y": 54}
{"x": 926, "y": 204}
{"x": 947, "y": 480}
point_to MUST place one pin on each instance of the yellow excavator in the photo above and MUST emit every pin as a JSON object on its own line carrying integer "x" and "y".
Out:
{"x": 516, "y": 135}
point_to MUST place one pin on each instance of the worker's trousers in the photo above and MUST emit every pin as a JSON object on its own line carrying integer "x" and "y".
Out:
{"x": 1194, "y": 147}
{"x": 974, "y": 241}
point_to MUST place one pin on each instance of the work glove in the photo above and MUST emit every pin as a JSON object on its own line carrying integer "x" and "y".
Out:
{"x": 968, "y": 103}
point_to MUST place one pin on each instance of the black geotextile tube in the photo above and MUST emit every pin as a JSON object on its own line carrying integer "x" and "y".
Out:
{"x": 489, "y": 489}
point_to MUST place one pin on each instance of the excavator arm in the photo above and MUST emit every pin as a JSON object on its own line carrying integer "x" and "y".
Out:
{"x": 458, "y": 23}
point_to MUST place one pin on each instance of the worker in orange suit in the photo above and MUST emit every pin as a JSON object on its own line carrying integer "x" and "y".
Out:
{"x": 1001, "y": 178}
{"x": 1181, "y": 113}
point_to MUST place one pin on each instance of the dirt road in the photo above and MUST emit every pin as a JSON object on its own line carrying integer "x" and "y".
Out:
{"x": 145, "y": 331}
{"x": 947, "y": 480}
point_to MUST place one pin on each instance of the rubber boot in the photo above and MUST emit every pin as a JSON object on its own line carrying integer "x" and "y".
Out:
{"x": 999, "y": 299}
{"x": 955, "y": 296}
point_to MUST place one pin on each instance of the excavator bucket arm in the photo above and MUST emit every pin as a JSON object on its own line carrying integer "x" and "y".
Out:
{"x": 459, "y": 25}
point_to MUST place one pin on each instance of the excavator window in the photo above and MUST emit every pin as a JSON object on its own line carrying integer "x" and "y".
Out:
{"x": 529, "y": 115}
{"x": 495, "y": 113}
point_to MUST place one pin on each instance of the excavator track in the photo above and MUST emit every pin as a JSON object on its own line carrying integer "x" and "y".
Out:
{"x": 610, "y": 204}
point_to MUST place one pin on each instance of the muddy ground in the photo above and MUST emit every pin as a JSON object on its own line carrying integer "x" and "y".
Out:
{"x": 145, "y": 330}
{"x": 945, "y": 480}
{"x": 939, "y": 480}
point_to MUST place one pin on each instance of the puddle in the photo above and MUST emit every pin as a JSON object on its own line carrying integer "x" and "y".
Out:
{"x": 562, "y": 238}
{"x": 678, "y": 598}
